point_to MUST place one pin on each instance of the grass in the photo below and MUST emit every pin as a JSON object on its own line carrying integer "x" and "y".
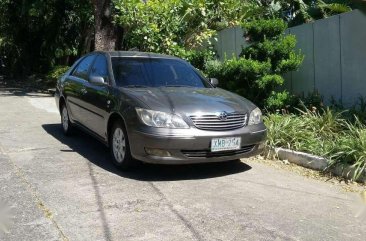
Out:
{"x": 327, "y": 134}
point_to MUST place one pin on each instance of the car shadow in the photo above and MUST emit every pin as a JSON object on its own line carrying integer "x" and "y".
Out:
{"x": 24, "y": 87}
{"x": 23, "y": 92}
{"x": 98, "y": 154}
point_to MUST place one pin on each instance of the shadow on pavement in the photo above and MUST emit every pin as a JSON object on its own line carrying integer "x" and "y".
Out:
{"x": 23, "y": 92}
{"x": 11, "y": 87}
{"x": 98, "y": 154}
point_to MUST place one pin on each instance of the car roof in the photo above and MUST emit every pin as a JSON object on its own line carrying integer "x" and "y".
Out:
{"x": 136, "y": 54}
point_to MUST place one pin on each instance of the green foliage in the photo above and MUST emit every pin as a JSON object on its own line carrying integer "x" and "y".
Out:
{"x": 279, "y": 100}
{"x": 284, "y": 102}
{"x": 37, "y": 34}
{"x": 269, "y": 43}
{"x": 324, "y": 133}
{"x": 213, "y": 68}
{"x": 358, "y": 111}
{"x": 151, "y": 26}
{"x": 262, "y": 29}
{"x": 55, "y": 74}
{"x": 198, "y": 58}
{"x": 335, "y": 8}
{"x": 350, "y": 148}
{"x": 242, "y": 76}
{"x": 170, "y": 25}
{"x": 297, "y": 12}
{"x": 355, "y": 113}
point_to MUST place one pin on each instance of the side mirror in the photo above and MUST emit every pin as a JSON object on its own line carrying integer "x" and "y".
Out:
{"x": 99, "y": 80}
{"x": 214, "y": 82}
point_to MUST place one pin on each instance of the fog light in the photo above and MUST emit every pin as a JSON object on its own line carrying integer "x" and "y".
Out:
{"x": 157, "y": 152}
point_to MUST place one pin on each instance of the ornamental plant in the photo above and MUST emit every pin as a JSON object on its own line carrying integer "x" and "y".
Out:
{"x": 257, "y": 73}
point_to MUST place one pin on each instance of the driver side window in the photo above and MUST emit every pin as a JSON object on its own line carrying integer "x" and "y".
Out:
{"x": 82, "y": 69}
{"x": 100, "y": 67}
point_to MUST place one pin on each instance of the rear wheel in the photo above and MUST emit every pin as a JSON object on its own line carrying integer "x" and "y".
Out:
{"x": 119, "y": 147}
{"x": 65, "y": 121}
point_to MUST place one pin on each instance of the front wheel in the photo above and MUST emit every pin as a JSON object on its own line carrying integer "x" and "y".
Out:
{"x": 119, "y": 147}
{"x": 65, "y": 121}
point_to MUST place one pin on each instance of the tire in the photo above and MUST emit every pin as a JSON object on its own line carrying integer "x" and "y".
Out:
{"x": 119, "y": 147}
{"x": 66, "y": 125}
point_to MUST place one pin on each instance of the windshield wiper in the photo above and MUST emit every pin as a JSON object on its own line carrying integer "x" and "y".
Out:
{"x": 135, "y": 86}
{"x": 178, "y": 86}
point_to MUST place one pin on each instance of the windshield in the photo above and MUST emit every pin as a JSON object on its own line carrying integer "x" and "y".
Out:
{"x": 155, "y": 72}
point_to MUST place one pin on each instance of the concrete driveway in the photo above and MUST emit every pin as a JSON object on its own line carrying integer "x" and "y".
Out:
{"x": 58, "y": 188}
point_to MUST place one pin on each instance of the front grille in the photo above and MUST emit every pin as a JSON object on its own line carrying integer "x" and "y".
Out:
{"x": 214, "y": 123}
{"x": 208, "y": 153}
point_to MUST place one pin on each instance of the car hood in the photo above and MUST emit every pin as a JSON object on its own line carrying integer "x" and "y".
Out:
{"x": 189, "y": 101}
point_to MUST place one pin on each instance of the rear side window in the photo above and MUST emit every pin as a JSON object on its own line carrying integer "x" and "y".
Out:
{"x": 100, "y": 67}
{"x": 82, "y": 69}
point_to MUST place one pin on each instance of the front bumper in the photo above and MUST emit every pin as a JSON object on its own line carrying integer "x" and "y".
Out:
{"x": 193, "y": 145}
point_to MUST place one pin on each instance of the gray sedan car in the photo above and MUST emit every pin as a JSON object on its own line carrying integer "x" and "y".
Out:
{"x": 157, "y": 109}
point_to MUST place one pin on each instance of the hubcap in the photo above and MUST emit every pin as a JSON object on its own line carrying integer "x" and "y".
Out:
{"x": 119, "y": 145}
{"x": 65, "y": 119}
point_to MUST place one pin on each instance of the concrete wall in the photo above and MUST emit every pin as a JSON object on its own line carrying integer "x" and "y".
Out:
{"x": 353, "y": 56}
{"x": 335, "y": 56}
{"x": 327, "y": 65}
{"x": 305, "y": 42}
{"x": 229, "y": 42}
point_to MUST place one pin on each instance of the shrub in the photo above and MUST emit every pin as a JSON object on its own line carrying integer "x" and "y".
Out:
{"x": 355, "y": 113}
{"x": 261, "y": 29}
{"x": 213, "y": 68}
{"x": 280, "y": 101}
{"x": 242, "y": 76}
{"x": 198, "y": 58}
{"x": 268, "y": 43}
{"x": 350, "y": 148}
{"x": 56, "y": 73}
{"x": 257, "y": 73}
{"x": 358, "y": 111}
{"x": 324, "y": 133}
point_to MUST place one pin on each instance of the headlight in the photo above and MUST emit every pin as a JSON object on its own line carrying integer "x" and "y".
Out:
{"x": 160, "y": 119}
{"x": 255, "y": 117}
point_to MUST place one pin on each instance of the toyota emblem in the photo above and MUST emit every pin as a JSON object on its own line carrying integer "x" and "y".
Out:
{"x": 222, "y": 116}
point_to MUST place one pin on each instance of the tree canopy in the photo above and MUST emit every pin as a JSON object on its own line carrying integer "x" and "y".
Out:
{"x": 36, "y": 35}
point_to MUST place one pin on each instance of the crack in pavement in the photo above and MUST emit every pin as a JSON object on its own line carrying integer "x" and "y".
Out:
{"x": 99, "y": 200}
{"x": 36, "y": 197}
{"x": 186, "y": 223}
{"x": 30, "y": 149}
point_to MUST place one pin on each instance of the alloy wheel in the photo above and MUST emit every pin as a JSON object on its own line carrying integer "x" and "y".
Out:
{"x": 65, "y": 119}
{"x": 119, "y": 145}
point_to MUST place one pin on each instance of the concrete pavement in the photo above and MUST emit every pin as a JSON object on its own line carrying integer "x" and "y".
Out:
{"x": 65, "y": 188}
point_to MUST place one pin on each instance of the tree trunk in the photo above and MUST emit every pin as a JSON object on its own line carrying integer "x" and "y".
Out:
{"x": 106, "y": 34}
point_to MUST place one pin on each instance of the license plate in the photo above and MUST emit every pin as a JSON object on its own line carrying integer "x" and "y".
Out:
{"x": 225, "y": 144}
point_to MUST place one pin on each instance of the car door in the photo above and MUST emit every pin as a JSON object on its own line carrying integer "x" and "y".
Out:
{"x": 74, "y": 87}
{"x": 96, "y": 98}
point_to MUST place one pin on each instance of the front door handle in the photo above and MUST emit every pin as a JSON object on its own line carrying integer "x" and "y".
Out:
{"x": 83, "y": 91}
